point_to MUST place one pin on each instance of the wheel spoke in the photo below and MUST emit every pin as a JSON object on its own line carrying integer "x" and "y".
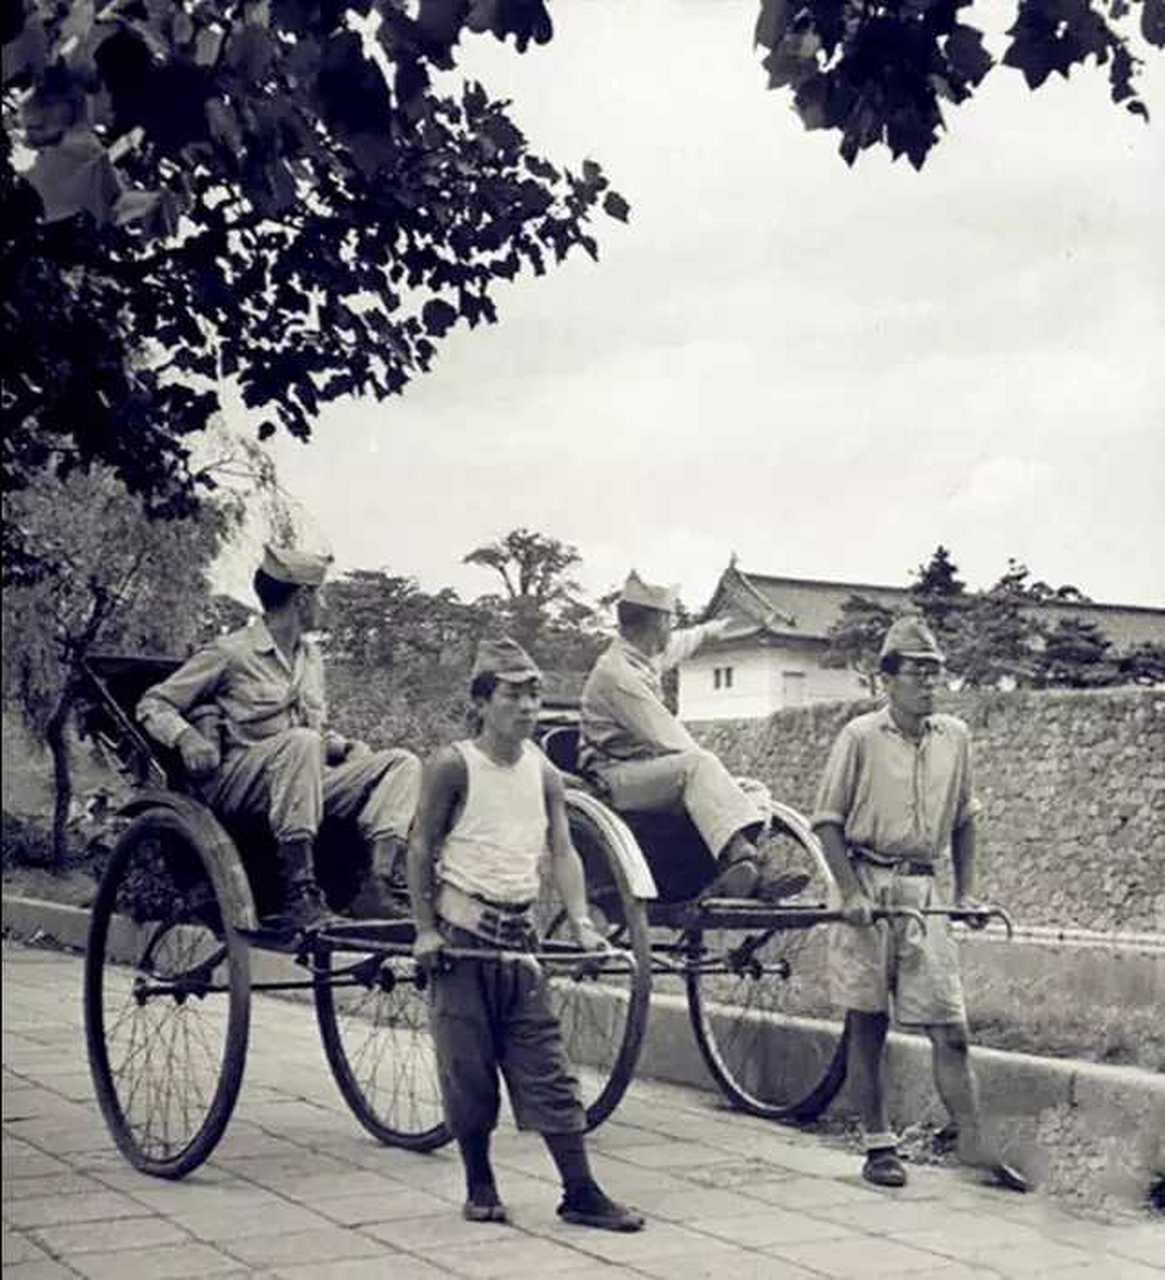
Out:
{"x": 167, "y": 1060}
{"x": 744, "y": 989}
{"x": 601, "y": 1015}
{"x": 381, "y": 1053}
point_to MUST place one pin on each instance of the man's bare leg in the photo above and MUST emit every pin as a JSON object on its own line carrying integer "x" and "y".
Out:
{"x": 867, "y": 1056}
{"x": 954, "y": 1078}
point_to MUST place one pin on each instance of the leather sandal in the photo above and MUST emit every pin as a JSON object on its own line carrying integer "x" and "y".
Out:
{"x": 606, "y": 1215}
{"x": 884, "y": 1169}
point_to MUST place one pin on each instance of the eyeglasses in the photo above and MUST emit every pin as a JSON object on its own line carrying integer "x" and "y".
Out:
{"x": 922, "y": 671}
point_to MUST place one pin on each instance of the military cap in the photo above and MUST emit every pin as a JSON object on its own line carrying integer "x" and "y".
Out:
{"x": 505, "y": 659}
{"x": 910, "y": 637}
{"x": 636, "y": 591}
{"x": 299, "y": 568}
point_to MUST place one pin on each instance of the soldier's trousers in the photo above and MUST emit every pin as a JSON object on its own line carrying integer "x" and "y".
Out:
{"x": 284, "y": 779}
{"x": 693, "y": 780}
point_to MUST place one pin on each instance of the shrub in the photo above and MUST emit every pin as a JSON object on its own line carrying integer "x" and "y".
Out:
{"x": 26, "y": 842}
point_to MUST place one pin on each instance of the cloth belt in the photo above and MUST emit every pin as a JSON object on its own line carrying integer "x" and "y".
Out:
{"x": 902, "y": 866}
{"x": 504, "y": 924}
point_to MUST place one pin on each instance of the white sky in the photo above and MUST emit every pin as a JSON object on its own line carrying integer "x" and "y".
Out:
{"x": 828, "y": 371}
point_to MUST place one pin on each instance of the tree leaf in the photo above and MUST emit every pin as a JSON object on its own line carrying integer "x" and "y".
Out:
{"x": 965, "y": 52}
{"x": 438, "y": 317}
{"x": 134, "y": 206}
{"x": 615, "y": 206}
{"x": 207, "y": 46}
{"x": 25, "y": 56}
{"x": 223, "y": 122}
{"x": 75, "y": 176}
{"x": 771, "y": 23}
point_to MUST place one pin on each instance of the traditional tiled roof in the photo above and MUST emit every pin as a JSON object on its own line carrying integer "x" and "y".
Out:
{"x": 814, "y": 605}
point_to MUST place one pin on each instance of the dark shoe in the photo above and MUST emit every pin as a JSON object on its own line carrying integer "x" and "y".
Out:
{"x": 735, "y": 880}
{"x": 773, "y": 885}
{"x": 946, "y": 1139}
{"x": 1008, "y": 1177}
{"x": 884, "y": 1169}
{"x": 596, "y": 1210}
{"x": 484, "y": 1205}
{"x": 379, "y": 899}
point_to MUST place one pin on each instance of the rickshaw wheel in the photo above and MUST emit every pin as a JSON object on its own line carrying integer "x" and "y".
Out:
{"x": 603, "y": 1015}
{"x": 376, "y": 1037}
{"x": 744, "y": 986}
{"x": 167, "y": 999}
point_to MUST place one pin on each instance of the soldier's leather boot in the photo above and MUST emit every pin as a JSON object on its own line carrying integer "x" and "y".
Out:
{"x": 303, "y": 903}
{"x": 774, "y": 884}
{"x": 384, "y": 893}
{"x": 736, "y": 871}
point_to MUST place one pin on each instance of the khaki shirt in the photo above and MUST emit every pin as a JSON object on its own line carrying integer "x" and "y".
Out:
{"x": 623, "y": 713}
{"x": 894, "y": 796}
{"x": 240, "y": 687}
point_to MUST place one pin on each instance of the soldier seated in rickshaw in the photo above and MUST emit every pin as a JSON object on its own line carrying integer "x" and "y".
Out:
{"x": 247, "y": 715}
{"x": 648, "y": 763}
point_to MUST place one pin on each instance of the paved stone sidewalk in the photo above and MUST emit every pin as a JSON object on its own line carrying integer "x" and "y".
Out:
{"x": 297, "y": 1190}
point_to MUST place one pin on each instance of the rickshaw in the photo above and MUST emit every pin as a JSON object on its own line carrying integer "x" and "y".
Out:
{"x": 177, "y": 921}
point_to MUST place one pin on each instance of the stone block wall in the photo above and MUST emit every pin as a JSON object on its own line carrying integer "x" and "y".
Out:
{"x": 1073, "y": 784}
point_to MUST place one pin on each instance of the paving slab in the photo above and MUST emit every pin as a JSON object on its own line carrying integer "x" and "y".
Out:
{"x": 46, "y": 1270}
{"x": 292, "y": 1248}
{"x": 298, "y": 1191}
{"x": 171, "y": 1262}
{"x": 119, "y": 1234}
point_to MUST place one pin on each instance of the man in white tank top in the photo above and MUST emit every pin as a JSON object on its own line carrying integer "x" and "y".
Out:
{"x": 491, "y": 807}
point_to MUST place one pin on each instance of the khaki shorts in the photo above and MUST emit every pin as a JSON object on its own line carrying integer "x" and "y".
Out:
{"x": 869, "y": 965}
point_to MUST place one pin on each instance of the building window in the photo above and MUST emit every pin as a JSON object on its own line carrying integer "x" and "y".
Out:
{"x": 721, "y": 677}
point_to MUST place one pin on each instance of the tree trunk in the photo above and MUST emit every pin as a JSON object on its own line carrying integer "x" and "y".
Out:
{"x": 58, "y": 746}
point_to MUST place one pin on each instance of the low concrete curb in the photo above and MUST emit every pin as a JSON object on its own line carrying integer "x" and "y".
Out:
{"x": 1073, "y": 1126}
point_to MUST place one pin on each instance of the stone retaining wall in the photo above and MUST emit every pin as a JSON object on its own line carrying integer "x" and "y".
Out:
{"x": 1073, "y": 784}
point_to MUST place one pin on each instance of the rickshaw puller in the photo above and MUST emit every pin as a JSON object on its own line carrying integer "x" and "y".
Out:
{"x": 491, "y": 809}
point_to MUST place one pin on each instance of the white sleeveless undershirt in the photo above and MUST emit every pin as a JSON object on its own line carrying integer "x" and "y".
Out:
{"x": 494, "y": 847}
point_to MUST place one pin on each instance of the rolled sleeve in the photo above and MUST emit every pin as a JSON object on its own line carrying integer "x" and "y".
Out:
{"x": 835, "y": 793}
{"x": 161, "y": 709}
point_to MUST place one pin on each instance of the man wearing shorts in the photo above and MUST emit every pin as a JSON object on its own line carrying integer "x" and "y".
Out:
{"x": 491, "y": 809}
{"x": 896, "y": 793}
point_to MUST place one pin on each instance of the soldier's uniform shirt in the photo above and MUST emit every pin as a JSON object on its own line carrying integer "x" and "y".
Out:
{"x": 899, "y": 799}
{"x": 490, "y": 1016}
{"x": 266, "y": 715}
{"x": 624, "y": 716}
{"x": 644, "y": 755}
{"x": 245, "y": 677}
